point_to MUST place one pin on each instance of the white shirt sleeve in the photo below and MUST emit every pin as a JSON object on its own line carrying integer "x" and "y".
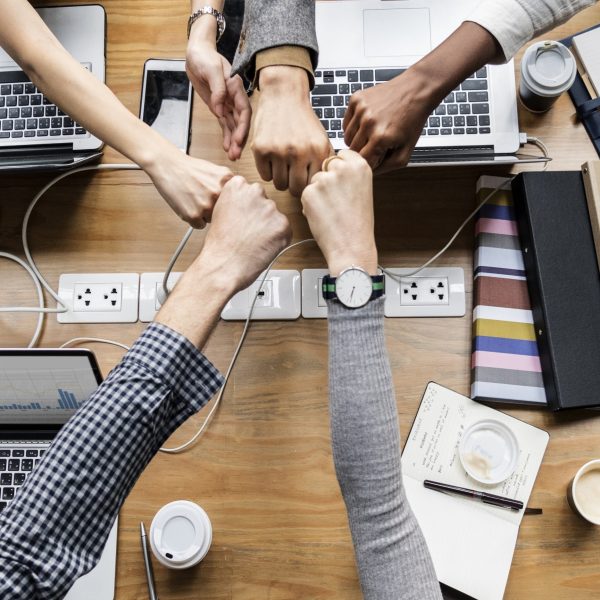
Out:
{"x": 514, "y": 22}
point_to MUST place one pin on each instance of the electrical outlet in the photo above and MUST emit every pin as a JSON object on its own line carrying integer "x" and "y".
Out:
{"x": 432, "y": 292}
{"x": 424, "y": 291}
{"x": 279, "y": 298}
{"x": 314, "y": 305}
{"x": 99, "y": 297}
{"x": 150, "y": 283}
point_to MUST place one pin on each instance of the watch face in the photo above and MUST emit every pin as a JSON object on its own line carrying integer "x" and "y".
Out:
{"x": 354, "y": 288}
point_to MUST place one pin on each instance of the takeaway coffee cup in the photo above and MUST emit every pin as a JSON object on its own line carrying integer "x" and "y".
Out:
{"x": 583, "y": 492}
{"x": 547, "y": 70}
{"x": 180, "y": 534}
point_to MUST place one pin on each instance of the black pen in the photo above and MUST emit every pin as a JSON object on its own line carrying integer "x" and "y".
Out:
{"x": 493, "y": 499}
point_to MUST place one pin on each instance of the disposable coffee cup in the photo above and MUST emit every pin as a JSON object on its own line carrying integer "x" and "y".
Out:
{"x": 583, "y": 492}
{"x": 180, "y": 534}
{"x": 547, "y": 70}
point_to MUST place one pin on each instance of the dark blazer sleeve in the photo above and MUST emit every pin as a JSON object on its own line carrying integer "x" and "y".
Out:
{"x": 271, "y": 23}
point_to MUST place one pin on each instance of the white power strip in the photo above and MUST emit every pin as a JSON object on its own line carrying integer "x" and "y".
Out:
{"x": 99, "y": 297}
{"x": 432, "y": 292}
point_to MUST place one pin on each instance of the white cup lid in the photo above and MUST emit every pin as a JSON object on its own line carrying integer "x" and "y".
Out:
{"x": 180, "y": 534}
{"x": 548, "y": 68}
{"x": 489, "y": 451}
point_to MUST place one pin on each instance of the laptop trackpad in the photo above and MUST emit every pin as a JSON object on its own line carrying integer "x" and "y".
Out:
{"x": 397, "y": 32}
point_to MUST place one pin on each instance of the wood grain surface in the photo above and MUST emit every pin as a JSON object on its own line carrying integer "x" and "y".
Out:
{"x": 264, "y": 471}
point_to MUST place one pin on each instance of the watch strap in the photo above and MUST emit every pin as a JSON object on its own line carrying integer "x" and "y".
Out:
{"x": 328, "y": 287}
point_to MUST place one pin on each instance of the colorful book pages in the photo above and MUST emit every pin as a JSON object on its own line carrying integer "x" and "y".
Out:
{"x": 505, "y": 364}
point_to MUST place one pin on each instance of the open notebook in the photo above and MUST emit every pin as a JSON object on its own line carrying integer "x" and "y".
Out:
{"x": 471, "y": 543}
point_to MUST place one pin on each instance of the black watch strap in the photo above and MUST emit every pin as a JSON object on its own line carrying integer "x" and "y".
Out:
{"x": 328, "y": 287}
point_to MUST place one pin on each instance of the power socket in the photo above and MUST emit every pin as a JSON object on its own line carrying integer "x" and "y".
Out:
{"x": 99, "y": 297}
{"x": 150, "y": 283}
{"x": 314, "y": 305}
{"x": 279, "y": 298}
{"x": 432, "y": 292}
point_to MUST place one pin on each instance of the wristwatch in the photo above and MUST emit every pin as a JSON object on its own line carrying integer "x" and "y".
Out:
{"x": 353, "y": 287}
{"x": 208, "y": 10}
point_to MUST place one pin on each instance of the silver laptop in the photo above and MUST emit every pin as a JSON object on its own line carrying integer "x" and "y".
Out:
{"x": 366, "y": 42}
{"x": 39, "y": 391}
{"x": 35, "y": 134}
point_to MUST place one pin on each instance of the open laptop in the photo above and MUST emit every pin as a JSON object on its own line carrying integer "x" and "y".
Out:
{"x": 34, "y": 133}
{"x": 366, "y": 42}
{"x": 39, "y": 391}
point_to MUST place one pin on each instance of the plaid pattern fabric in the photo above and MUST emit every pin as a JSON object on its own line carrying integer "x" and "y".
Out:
{"x": 56, "y": 527}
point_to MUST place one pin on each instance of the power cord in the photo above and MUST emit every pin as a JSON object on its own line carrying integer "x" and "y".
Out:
{"x": 217, "y": 401}
{"x": 29, "y": 264}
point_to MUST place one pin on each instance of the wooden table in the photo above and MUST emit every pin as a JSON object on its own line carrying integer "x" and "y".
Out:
{"x": 264, "y": 471}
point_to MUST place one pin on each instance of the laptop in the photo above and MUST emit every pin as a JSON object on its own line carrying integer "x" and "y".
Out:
{"x": 39, "y": 391}
{"x": 35, "y": 134}
{"x": 363, "y": 43}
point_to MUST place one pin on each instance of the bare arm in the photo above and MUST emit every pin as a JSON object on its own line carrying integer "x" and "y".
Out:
{"x": 189, "y": 185}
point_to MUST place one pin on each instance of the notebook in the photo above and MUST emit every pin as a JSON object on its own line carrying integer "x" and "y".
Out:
{"x": 587, "y": 47}
{"x": 505, "y": 363}
{"x": 471, "y": 543}
{"x": 564, "y": 283}
{"x": 591, "y": 181}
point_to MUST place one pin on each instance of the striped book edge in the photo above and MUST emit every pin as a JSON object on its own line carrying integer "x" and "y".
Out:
{"x": 505, "y": 363}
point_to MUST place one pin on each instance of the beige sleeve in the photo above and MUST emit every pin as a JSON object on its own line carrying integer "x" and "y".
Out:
{"x": 293, "y": 56}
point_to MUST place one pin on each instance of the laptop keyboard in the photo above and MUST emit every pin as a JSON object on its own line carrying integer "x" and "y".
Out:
{"x": 26, "y": 113}
{"x": 15, "y": 466}
{"x": 465, "y": 111}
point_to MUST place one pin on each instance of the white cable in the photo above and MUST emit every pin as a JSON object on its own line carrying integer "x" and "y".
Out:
{"x": 40, "y": 296}
{"x": 538, "y": 142}
{"x": 107, "y": 167}
{"x": 184, "y": 240}
{"x": 30, "y": 265}
{"x": 398, "y": 278}
{"x": 94, "y": 340}
{"x": 217, "y": 400}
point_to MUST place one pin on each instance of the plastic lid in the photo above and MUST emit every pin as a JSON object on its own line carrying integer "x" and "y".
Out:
{"x": 489, "y": 451}
{"x": 180, "y": 534}
{"x": 548, "y": 68}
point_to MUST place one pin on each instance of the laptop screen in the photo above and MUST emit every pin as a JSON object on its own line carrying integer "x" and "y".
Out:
{"x": 45, "y": 387}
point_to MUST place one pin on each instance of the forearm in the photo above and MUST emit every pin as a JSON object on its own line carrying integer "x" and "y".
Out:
{"x": 514, "y": 22}
{"x": 68, "y": 505}
{"x": 468, "y": 49}
{"x": 391, "y": 553}
{"x": 78, "y": 93}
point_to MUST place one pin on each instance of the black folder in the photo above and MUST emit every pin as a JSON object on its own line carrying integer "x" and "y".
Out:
{"x": 564, "y": 284}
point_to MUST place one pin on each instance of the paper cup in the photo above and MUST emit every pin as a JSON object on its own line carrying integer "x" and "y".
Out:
{"x": 180, "y": 534}
{"x": 547, "y": 70}
{"x": 583, "y": 492}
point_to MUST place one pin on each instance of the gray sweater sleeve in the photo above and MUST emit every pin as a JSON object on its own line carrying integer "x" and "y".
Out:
{"x": 391, "y": 553}
{"x": 270, "y": 23}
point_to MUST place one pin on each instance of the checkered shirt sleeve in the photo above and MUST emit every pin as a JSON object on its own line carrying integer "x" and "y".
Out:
{"x": 56, "y": 527}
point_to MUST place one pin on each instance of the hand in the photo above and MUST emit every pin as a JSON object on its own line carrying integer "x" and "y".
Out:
{"x": 339, "y": 207}
{"x": 246, "y": 233}
{"x": 190, "y": 186}
{"x": 210, "y": 74}
{"x": 289, "y": 141}
{"x": 384, "y": 122}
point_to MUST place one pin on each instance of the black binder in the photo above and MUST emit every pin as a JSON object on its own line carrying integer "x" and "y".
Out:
{"x": 564, "y": 284}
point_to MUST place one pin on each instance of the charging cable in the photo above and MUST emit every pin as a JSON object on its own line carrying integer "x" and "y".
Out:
{"x": 29, "y": 264}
